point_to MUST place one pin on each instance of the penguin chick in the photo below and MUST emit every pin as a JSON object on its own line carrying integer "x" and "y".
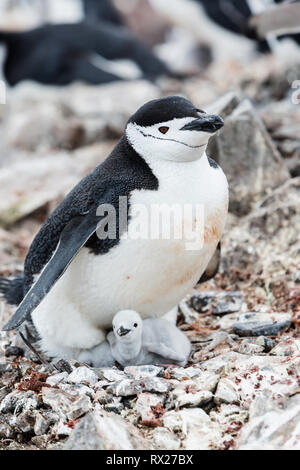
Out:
{"x": 152, "y": 341}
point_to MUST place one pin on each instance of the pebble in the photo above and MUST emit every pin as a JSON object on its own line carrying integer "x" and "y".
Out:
{"x": 149, "y": 408}
{"x": 262, "y": 324}
{"x": 163, "y": 439}
{"x": 226, "y": 392}
{"x": 83, "y": 375}
{"x": 128, "y": 387}
{"x": 66, "y": 405}
{"x": 218, "y": 303}
{"x": 140, "y": 372}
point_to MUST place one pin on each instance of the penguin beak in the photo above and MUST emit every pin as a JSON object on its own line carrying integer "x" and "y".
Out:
{"x": 122, "y": 331}
{"x": 206, "y": 123}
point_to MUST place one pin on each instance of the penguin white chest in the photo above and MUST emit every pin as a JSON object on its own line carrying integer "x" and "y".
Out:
{"x": 148, "y": 270}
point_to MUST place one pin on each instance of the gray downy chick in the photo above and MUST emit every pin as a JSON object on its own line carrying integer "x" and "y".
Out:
{"x": 134, "y": 341}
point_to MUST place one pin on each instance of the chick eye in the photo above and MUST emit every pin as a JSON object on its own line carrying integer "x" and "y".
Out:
{"x": 163, "y": 129}
{"x": 135, "y": 325}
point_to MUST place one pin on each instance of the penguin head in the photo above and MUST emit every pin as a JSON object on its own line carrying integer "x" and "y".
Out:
{"x": 127, "y": 326}
{"x": 171, "y": 129}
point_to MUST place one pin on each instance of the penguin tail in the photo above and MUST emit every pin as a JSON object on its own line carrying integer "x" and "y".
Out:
{"x": 12, "y": 290}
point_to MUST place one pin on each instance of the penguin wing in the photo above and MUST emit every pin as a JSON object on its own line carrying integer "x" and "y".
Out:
{"x": 72, "y": 238}
{"x": 162, "y": 350}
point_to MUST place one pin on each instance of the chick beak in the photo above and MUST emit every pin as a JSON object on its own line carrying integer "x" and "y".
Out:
{"x": 206, "y": 123}
{"x": 122, "y": 331}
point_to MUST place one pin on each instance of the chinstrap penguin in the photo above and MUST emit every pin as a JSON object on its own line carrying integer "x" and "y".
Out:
{"x": 74, "y": 282}
{"x": 134, "y": 341}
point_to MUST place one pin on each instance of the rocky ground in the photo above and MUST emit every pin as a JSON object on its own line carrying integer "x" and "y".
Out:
{"x": 241, "y": 388}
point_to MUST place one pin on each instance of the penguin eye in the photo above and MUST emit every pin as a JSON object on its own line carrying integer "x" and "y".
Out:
{"x": 163, "y": 129}
{"x": 135, "y": 325}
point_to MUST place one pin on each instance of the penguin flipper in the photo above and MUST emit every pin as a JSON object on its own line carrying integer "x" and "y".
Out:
{"x": 162, "y": 350}
{"x": 73, "y": 237}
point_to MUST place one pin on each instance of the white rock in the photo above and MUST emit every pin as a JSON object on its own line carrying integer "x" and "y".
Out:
{"x": 273, "y": 424}
{"x": 196, "y": 427}
{"x": 56, "y": 379}
{"x": 165, "y": 440}
{"x": 139, "y": 372}
{"x": 67, "y": 406}
{"x": 226, "y": 392}
{"x": 83, "y": 375}
{"x": 101, "y": 430}
{"x": 144, "y": 407}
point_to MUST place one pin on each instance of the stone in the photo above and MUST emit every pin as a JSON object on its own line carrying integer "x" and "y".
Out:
{"x": 83, "y": 375}
{"x": 196, "y": 428}
{"x": 266, "y": 343}
{"x": 189, "y": 315}
{"x": 128, "y": 387}
{"x": 274, "y": 424}
{"x": 6, "y": 430}
{"x": 165, "y": 440}
{"x": 139, "y": 372}
{"x": 287, "y": 347}
{"x": 16, "y": 402}
{"x": 149, "y": 408}
{"x": 229, "y": 416}
{"x": 249, "y": 159}
{"x": 186, "y": 394}
{"x": 180, "y": 373}
{"x": 218, "y": 303}
{"x": 24, "y": 422}
{"x": 43, "y": 421}
{"x": 110, "y": 374}
{"x": 100, "y": 430}
{"x": 247, "y": 347}
{"x": 66, "y": 405}
{"x": 56, "y": 379}
{"x": 257, "y": 324}
{"x": 227, "y": 392}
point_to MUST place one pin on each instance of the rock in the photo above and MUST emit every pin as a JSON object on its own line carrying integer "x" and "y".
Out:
{"x": 273, "y": 424}
{"x": 43, "y": 421}
{"x": 149, "y": 408}
{"x": 257, "y": 324}
{"x": 139, "y": 372}
{"x": 61, "y": 429}
{"x": 6, "y": 430}
{"x": 246, "y": 377}
{"x": 229, "y": 416}
{"x": 266, "y": 343}
{"x": 287, "y": 347}
{"x": 20, "y": 401}
{"x": 110, "y": 374}
{"x": 218, "y": 303}
{"x": 180, "y": 373}
{"x": 186, "y": 394}
{"x": 196, "y": 428}
{"x": 165, "y": 440}
{"x": 227, "y": 392}
{"x": 247, "y": 347}
{"x": 25, "y": 422}
{"x": 188, "y": 314}
{"x": 77, "y": 389}
{"x": 128, "y": 387}
{"x": 83, "y": 375}
{"x": 248, "y": 158}
{"x": 40, "y": 442}
{"x": 66, "y": 405}
{"x": 100, "y": 430}
{"x": 56, "y": 379}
